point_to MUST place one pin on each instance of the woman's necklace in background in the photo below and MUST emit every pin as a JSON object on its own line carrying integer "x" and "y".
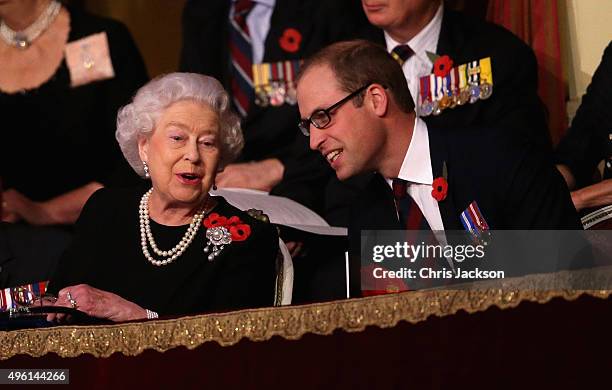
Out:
{"x": 147, "y": 237}
{"x": 24, "y": 38}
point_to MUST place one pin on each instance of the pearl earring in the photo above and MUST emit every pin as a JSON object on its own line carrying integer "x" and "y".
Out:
{"x": 146, "y": 169}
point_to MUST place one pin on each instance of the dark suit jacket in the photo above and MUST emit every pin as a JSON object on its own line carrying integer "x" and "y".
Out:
{"x": 588, "y": 140}
{"x": 271, "y": 132}
{"x": 514, "y": 185}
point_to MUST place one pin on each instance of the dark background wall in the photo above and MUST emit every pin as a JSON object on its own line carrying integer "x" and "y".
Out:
{"x": 154, "y": 24}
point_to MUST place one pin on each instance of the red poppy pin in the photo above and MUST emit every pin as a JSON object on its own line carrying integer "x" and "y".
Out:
{"x": 371, "y": 285}
{"x": 440, "y": 185}
{"x": 221, "y": 231}
{"x": 239, "y": 230}
{"x": 440, "y": 188}
{"x": 442, "y": 66}
{"x": 290, "y": 40}
{"x": 214, "y": 220}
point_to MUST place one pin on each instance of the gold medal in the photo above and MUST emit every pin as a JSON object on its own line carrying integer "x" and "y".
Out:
{"x": 486, "y": 78}
{"x": 261, "y": 98}
{"x": 444, "y": 103}
{"x": 464, "y": 96}
{"x": 453, "y": 100}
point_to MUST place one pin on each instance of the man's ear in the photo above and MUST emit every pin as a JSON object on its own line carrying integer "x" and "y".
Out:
{"x": 143, "y": 148}
{"x": 379, "y": 99}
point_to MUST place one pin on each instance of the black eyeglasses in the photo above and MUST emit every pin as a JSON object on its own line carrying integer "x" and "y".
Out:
{"x": 322, "y": 117}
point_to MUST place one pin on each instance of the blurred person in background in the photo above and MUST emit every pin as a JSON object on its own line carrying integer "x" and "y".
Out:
{"x": 64, "y": 75}
{"x": 589, "y": 141}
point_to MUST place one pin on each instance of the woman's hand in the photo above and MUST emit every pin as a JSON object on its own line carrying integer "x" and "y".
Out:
{"x": 96, "y": 303}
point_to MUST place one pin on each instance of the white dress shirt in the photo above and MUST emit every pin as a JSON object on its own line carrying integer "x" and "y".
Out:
{"x": 416, "y": 170}
{"x": 258, "y": 22}
{"x": 419, "y": 64}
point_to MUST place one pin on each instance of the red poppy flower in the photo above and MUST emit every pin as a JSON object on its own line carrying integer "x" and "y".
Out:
{"x": 214, "y": 220}
{"x": 290, "y": 40}
{"x": 240, "y": 232}
{"x": 440, "y": 188}
{"x": 442, "y": 66}
{"x": 379, "y": 286}
{"x": 234, "y": 220}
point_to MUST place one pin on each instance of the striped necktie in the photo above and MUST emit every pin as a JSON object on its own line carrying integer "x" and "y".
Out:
{"x": 417, "y": 230}
{"x": 242, "y": 56}
{"x": 409, "y": 213}
{"x": 401, "y": 53}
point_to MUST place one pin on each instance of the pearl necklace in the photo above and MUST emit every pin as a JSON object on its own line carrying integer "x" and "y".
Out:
{"x": 147, "y": 237}
{"x": 24, "y": 38}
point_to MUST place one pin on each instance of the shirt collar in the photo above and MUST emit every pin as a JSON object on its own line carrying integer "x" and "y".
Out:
{"x": 416, "y": 167}
{"x": 268, "y": 3}
{"x": 426, "y": 40}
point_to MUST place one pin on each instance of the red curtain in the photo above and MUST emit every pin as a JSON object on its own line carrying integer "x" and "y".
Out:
{"x": 537, "y": 23}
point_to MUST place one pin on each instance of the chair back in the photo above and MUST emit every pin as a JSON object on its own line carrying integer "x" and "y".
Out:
{"x": 284, "y": 276}
{"x": 283, "y": 290}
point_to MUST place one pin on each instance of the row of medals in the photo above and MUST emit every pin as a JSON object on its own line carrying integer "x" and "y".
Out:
{"x": 452, "y": 99}
{"x": 276, "y": 94}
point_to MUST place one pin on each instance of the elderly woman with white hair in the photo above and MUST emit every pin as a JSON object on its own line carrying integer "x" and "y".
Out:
{"x": 171, "y": 248}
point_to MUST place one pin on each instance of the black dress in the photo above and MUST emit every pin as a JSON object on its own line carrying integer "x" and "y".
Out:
{"x": 56, "y": 138}
{"x": 107, "y": 255}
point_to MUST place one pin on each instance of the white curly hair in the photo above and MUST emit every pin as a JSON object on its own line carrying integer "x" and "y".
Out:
{"x": 139, "y": 118}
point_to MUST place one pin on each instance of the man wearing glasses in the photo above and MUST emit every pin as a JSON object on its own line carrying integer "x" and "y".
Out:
{"x": 357, "y": 111}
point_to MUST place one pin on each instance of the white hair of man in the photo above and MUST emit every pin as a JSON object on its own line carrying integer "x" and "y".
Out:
{"x": 139, "y": 118}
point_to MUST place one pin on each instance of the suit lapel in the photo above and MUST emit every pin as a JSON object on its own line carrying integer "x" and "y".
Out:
{"x": 376, "y": 208}
{"x": 288, "y": 14}
{"x": 451, "y": 38}
{"x": 439, "y": 155}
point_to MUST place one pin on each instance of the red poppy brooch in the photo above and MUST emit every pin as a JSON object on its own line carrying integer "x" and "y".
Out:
{"x": 442, "y": 66}
{"x": 221, "y": 231}
{"x": 440, "y": 188}
{"x": 440, "y": 185}
{"x": 290, "y": 40}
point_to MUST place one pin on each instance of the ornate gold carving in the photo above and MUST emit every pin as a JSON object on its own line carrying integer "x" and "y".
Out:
{"x": 293, "y": 322}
